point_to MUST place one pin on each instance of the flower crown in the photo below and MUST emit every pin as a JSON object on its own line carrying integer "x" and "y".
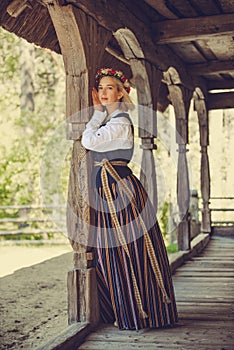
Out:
{"x": 113, "y": 73}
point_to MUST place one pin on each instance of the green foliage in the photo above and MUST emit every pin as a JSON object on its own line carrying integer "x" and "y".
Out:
{"x": 172, "y": 248}
{"x": 164, "y": 218}
{"x": 25, "y": 133}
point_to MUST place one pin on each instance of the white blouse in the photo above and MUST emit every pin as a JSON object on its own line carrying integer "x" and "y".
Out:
{"x": 115, "y": 134}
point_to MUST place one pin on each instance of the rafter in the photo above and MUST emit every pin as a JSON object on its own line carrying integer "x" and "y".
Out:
{"x": 220, "y": 84}
{"x": 119, "y": 11}
{"x": 189, "y": 29}
{"x": 161, "y": 7}
{"x": 211, "y": 67}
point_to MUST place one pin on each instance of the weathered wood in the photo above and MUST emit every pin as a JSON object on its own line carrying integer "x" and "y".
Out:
{"x": 220, "y": 100}
{"x": 161, "y": 8}
{"x": 120, "y": 14}
{"x": 205, "y": 317}
{"x": 83, "y": 303}
{"x": 211, "y": 67}
{"x": 180, "y": 98}
{"x": 191, "y": 29}
{"x": 68, "y": 339}
{"x": 16, "y": 7}
{"x": 200, "y": 107}
{"x": 77, "y": 33}
{"x": 147, "y": 80}
{"x": 189, "y": 51}
{"x": 223, "y": 49}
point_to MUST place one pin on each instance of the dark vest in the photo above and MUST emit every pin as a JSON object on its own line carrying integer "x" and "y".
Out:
{"x": 120, "y": 154}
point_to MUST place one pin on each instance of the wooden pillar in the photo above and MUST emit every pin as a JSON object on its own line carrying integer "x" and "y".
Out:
{"x": 147, "y": 80}
{"x": 180, "y": 98}
{"x": 200, "y": 107}
{"x": 82, "y": 44}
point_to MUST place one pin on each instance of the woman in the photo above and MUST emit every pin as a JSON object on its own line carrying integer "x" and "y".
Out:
{"x": 133, "y": 274}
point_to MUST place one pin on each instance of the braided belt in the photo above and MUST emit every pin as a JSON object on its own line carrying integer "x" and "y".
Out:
{"x": 107, "y": 167}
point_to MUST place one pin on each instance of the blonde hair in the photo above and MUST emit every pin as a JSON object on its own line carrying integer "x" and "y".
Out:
{"x": 125, "y": 101}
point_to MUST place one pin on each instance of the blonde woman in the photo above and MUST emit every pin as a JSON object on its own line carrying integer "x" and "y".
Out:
{"x": 133, "y": 274}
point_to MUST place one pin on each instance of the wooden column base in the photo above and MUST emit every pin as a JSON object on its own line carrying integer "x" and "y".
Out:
{"x": 184, "y": 234}
{"x": 206, "y": 221}
{"x": 83, "y": 305}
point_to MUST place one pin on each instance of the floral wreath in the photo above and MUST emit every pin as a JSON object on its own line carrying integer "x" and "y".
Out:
{"x": 113, "y": 73}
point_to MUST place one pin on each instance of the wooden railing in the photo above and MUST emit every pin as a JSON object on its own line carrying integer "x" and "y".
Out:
{"x": 32, "y": 222}
{"x": 222, "y": 219}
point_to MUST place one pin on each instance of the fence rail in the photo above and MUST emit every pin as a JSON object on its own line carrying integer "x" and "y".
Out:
{"x": 222, "y": 215}
{"x": 34, "y": 222}
{"x": 46, "y": 222}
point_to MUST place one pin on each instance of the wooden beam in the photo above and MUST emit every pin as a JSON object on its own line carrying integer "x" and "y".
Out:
{"x": 161, "y": 7}
{"x": 16, "y": 7}
{"x": 220, "y": 100}
{"x": 189, "y": 29}
{"x": 220, "y": 84}
{"x": 211, "y": 67}
{"x": 125, "y": 11}
{"x": 117, "y": 55}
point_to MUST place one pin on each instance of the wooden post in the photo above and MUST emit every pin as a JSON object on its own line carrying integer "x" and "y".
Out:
{"x": 180, "y": 98}
{"x": 82, "y": 44}
{"x": 200, "y": 107}
{"x": 147, "y": 80}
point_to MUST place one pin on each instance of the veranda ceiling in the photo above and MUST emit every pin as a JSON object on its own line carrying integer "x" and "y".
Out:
{"x": 199, "y": 34}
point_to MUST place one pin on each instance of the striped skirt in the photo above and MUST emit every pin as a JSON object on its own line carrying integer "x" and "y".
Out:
{"x": 115, "y": 266}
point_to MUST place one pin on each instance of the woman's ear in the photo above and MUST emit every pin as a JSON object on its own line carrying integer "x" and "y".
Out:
{"x": 120, "y": 95}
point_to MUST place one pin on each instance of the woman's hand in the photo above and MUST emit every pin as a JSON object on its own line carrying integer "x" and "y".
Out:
{"x": 96, "y": 102}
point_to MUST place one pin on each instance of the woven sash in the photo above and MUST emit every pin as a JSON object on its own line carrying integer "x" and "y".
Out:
{"x": 107, "y": 167}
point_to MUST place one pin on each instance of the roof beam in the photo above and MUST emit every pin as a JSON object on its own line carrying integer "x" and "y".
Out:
{"x": 126, "y": 11}
{"x": 189, "y": 29}
{"x": 161, "y": 7}
{"x": 211, "y": 67}
{"x": 220, "y": 84}
{"x": 220, "y": 100}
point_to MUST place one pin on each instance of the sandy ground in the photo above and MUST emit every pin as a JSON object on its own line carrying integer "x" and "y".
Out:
{"x": 33, "y": 299}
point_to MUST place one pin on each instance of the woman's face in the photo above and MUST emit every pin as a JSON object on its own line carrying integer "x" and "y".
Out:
{"x": 108, "y": 92}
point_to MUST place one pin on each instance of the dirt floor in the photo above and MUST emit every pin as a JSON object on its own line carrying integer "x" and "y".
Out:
{"x": 33, "y": 300}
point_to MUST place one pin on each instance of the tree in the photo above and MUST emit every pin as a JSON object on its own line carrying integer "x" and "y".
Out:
{"x": 32, "y": 106}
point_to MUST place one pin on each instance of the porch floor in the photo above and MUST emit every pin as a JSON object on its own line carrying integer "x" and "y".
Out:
{"x": 204, "y": 288}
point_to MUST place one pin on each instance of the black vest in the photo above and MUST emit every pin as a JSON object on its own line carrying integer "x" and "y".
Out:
{"x": 119, "y": 154}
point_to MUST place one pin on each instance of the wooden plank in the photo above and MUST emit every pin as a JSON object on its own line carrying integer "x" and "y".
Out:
{"x": 182, "y": 8}
{"x": 206, "y": 7}
{"x": 227, "y": 5}
{"x": 222, "y": 46}
{"x": 211, "y": 264}
{"x": 203, "y": 46}
{"x": 161, "y": 345}
{"x": 191, "y": 29}
{"x": 206, "y": 274}
{"x": 68, "y": 339}
{"x": 205, "y": 306}
{"x": 161, "y": 7}
{"x": 220, "y": 84}
{"x": 211, "y": 67}
{"x": 120, "y": 14}
{"x": 185, "y": 335}
{"x": 188, "y": 52}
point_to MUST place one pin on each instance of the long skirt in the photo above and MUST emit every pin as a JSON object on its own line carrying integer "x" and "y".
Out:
{"x": 116, "y": 263}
